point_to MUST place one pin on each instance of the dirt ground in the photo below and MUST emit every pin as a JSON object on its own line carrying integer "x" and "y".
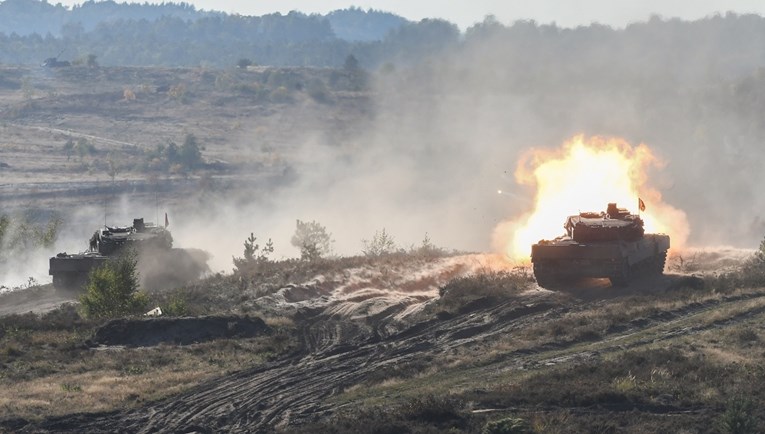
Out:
{"x": 403, "y": 345}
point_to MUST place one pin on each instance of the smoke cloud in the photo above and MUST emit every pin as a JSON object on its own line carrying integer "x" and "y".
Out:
{"x": 429, "y": 146}
{"x": 437, "y": 140}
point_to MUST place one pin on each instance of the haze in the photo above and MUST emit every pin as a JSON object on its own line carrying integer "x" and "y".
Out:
{"x": 416, "y": 138}
{"x": 467, "y": 13}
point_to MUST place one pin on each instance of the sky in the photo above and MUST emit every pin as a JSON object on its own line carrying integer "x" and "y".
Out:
{"x": 565, "y": 13}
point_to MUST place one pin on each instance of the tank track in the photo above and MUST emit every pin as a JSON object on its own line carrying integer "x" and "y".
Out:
{"x": 653, "y": 266}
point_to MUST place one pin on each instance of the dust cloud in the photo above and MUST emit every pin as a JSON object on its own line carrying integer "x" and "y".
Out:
{"x": 26, "y": 264}
{"x": 438, "y": 138}
{"x": 442, "y": 136}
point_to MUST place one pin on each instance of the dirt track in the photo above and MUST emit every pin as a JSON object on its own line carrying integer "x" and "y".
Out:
{"x": 38, "y": 300}
{"x": 336, "y": 354}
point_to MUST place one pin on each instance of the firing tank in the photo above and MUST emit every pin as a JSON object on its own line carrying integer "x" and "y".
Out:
{"x": 611, "y": 244}
{"x": 70, "y": 271}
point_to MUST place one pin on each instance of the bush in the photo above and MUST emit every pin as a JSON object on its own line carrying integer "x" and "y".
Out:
{"x": 427, "y": 249}
{"x": 254, "y": 256}
{"x": 738, "y": 417}
{"x": 176, "y": 306}
{"x": 509, "y": 425}
{"x": 495, "y": 284}
{"x": 382, "y": 243}
{"x": 112, "y": 290}
{"x": 434, "y": 409}
{"x": 312, "y": 239}
{"x": 189, "y": 154}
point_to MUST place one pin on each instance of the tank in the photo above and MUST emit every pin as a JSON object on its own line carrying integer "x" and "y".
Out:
{"x": 70, "y": 271}
{"x": 611, "y": 244}
{"x": 53, "y": 62}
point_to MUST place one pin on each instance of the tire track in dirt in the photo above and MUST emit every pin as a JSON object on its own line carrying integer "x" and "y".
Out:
{"x": 75, "y": 134}
{"x": 294, "y": 389}
{"x": 614, "y": 340}
{"x": 35, "y": 300}
{"x": 338, "y": 354}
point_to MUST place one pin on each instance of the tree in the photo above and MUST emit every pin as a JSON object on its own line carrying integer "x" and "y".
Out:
{"x": 171, "y": 153}
{"x": 68, "y": 148}
{"x": 90, "y": 61}
{"x": 112, "y": 290}
{"x": 243, "y": 63}
{"x": 312, "y": 239}
{"x": 351, "y": 63}
{"x": 189, "y": 153}
{"x": 113, "y": 168}
{"x": 427, "y": 248}
{"x": 254, "y": 256}
{"x": 83, "y": 147}
{"x": 382, "y": 243}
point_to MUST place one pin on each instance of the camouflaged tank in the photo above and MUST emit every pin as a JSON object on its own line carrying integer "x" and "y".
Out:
{"x": 611, "y": 244}
{"x": 70, "y": 271}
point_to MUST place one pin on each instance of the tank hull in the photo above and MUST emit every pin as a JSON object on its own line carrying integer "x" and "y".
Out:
{"x": 70, "y": 272}
{"x": 563, "y": 259}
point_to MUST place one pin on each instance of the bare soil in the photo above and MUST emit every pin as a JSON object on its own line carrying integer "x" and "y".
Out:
{"x": 345, "y": 361}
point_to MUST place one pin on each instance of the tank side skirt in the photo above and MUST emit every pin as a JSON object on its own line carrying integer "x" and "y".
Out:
{"x": 619, "y": 261}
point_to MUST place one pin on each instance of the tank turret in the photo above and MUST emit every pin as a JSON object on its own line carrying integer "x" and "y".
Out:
{"x": 111, "y": 240}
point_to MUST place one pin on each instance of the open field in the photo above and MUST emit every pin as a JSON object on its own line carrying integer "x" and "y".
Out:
{"x": 417, "y": 340}
{"x": 661, "y": 356}
{"x": 250, "y": 123}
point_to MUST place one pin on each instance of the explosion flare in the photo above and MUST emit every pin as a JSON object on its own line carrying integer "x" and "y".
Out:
{"x": 585, "y": 174}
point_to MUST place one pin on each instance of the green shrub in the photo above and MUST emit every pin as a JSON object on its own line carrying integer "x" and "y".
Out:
{"x": 112, "y": 290}
{"x": 739, "y": 417}
{"x": 434, "y": 409}
{"x": 66, "y": 387}
{"x": 508, "y": 425}
{"x": 243, "y": 63}
{"x": 255, "y": 258}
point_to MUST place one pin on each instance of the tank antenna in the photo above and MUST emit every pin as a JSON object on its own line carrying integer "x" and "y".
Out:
{"x": 106, "y": 204}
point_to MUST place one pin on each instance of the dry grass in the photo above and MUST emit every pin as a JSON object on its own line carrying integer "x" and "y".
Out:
{"x": 47, "y": 371}
{"x": 93, "y": 391}
{"x": 100, "y": 380}
{"x": 458, "y": 293}
{"x": 278, "y": 322}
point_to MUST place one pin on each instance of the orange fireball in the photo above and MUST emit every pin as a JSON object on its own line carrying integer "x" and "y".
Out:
{"x": 585, "y": 174}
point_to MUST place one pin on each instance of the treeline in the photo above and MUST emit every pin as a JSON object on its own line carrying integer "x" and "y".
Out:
{"x": 26, "y": 17}
{"x": 178, "y": 35}
{"x": 294, "y": 39}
